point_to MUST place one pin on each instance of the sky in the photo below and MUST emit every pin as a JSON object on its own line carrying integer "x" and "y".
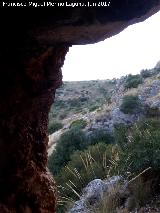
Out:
{"x": 134, "y": 49}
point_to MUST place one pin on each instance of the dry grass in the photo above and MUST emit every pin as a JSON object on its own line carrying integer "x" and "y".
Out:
{"x": 110, "y": 203}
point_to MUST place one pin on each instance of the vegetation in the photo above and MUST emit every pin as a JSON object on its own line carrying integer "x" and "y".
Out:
{"x": 138, "y": 148}
{"x": 100, "y": 136}
{"x": 73, "y": 140}
{"x": 112, "y": 201}
{"x": 146, "y": 73}
{"x": 93, "y": 107}
{"x": 149, "y": 72}
{"x": 79, "y": 124}
{"x": 130, "y": 104}
{"x": 142, "y": 149}
{"x": 153, "y": 112}
{"x": 121, "y": 135}
{"x": 132, "y": 81}
{"x": 127, "y": 151}
{"x": 75, "y": 97}
{"x": 85, "y": 166}
{"x": 54, "y": 126}
{"x": 68, "y": 143}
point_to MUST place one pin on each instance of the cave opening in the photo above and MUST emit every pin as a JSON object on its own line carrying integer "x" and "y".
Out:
{"x": 32, "y": 55}
{"x": 86, "y": 96}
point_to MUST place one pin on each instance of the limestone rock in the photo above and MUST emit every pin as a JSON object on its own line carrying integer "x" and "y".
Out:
{"x": 119, "y": 117}
{"x": 93, "y": 193}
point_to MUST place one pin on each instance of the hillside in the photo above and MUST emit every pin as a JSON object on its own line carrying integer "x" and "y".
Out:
{"x": 99, "y": 102}
{"x": 104, "y": 144}
{"x": 81, "y": 97}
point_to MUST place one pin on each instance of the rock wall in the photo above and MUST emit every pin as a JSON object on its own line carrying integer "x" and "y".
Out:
{"x": 33, "y": 43}
{"x": 27, "y": 88}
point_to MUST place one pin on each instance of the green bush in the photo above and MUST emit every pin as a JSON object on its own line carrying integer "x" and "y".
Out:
{"x": 93, "y": 108}
{"x": 132, "y": 81}
{"x": 156, "y": 71}
{"x": 142, "y": 150}
{"x": 59, "y": 104}
{"x": 100, "y": 135}
{"x": 54, "y": 126}
{"x": 146, "y": 73}
{"x": 80, "y": 124}
{"x": 75, "y": 103}
{"x": 121, "y": 135}
{"x": 68, "y": 143}
{"x": 130, "y": 104}
{"x": 95, "y": 162}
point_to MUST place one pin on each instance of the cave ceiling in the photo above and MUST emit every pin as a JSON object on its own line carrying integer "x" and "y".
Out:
{"x": 72, "y": 25}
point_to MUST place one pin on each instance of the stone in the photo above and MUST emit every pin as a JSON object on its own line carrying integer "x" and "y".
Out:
{"x": 93, "y": 193}
{"x": 79, "y": 207}
{"x": 119, "y": 117}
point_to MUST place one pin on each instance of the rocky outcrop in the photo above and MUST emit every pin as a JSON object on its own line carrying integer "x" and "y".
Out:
{"x": 93, "y": 193}
{"x": 149, "y": 97}
{"x": 116, "y": 194}
{"x": 33, "y": 44}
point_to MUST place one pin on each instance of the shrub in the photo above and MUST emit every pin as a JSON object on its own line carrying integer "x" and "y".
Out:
{"x": 130, "y": 104}
{"x": 68, "y": 143}
{"x": 71, "y": 141}
{"x": 121, "y": 135}
{"x": 156, "y": 71}
{"x": 80, "y": 124}
{"x": 153, "y": 112}
{"x": 143, "y": 149}
{"x": 93, "y": 108}
{"x": 85, "y": 166}
{"x": 59, "y": 104}
{"x": 132, "y": 81}
{"x": 112, "y": 201}
{"x": 102, "y": 90}
{"x": 54, "y": 126}
{"x": 74, "y": 102}
{"x": 146, "y": 73}
{"x": 100, "y": 135}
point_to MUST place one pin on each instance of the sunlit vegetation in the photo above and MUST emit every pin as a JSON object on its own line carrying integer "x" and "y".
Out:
{"x": 133, "y": 81}
{"x": 54, "y": 126}
{"x": 130, "y": 104}
{"x": 136, "y": 149}
{"x": 78, "y": 124}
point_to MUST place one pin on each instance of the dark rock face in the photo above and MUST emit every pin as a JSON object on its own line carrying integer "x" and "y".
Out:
{"x": 33, "y": 44}
{"x": 27, "y": 88}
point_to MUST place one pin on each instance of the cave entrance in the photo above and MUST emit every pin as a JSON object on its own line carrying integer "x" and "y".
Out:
{"x": 32, "y": 54}
{"x": 94, "y": 77}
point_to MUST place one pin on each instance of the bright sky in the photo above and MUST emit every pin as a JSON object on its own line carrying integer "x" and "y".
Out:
{"x": 134, "y": 49}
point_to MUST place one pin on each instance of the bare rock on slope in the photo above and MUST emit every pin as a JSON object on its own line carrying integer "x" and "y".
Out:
{"x": 93, "y": 193}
